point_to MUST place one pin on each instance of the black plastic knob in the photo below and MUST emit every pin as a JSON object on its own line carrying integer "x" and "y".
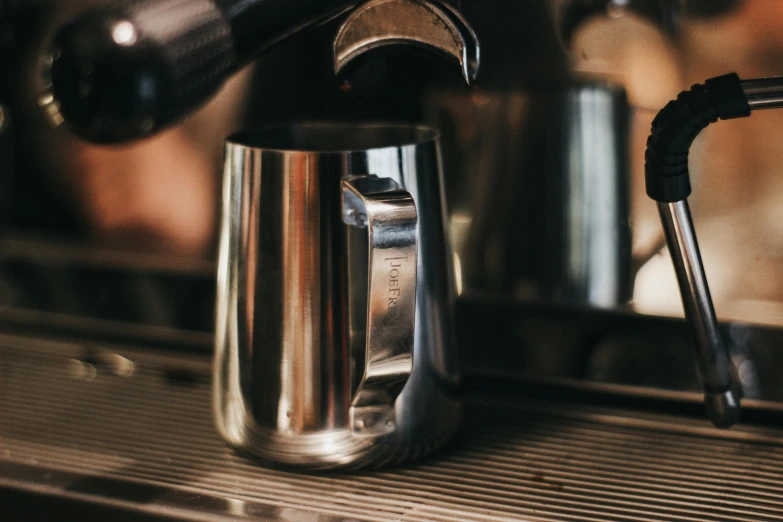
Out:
{"x": 123, "y": 73}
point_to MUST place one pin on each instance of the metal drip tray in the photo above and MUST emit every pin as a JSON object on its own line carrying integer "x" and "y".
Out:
{"x": 134, "y": 430}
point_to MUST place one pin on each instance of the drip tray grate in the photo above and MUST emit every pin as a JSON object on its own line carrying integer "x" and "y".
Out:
{"x": 96, "y": 427}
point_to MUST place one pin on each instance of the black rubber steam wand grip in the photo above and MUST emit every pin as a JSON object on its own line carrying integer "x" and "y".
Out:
{"x": 124, "y": 71}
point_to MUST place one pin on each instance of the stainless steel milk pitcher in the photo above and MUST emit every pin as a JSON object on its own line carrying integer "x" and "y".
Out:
{"x": 333, "y": 343}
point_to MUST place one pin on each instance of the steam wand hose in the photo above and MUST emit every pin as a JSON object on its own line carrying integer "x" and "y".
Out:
{"x": 666, "y": 174}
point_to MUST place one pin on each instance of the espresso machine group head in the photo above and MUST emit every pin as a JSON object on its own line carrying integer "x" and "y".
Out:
{"x": 124, "y": 72}
{"x": 348, "y": 330}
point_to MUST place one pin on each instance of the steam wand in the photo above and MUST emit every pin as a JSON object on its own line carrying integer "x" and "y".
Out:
{"x": 666, "y": 172}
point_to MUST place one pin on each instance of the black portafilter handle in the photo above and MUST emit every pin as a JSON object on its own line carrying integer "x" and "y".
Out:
{"x": 124, "y": 71}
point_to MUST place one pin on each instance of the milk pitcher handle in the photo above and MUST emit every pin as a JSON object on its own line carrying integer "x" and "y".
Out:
{"x": 388, "y": 212}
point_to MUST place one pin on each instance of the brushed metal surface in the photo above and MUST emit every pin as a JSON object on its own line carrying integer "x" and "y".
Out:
{"x": 144, "y": 439}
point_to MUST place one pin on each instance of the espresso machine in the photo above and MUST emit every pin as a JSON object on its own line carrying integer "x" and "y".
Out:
{"x": 516, "y": 368}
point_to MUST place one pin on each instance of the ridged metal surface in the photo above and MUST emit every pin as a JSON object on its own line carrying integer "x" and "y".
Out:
{"x": 533, "y": 461}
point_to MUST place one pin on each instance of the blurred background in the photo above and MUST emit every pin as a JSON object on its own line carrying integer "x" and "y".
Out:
{"x": 559, "y": 254}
